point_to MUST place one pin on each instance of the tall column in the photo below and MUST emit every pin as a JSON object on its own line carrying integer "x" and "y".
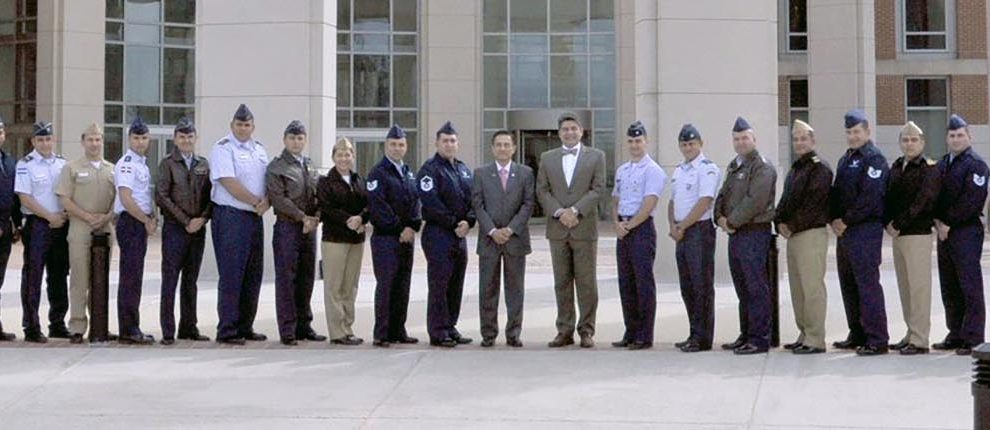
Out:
{"x": 70, "y": 68}
{"x": 705, "y": 63}
{"x": 841, "y": 69}
{"x": 451, "y": 56}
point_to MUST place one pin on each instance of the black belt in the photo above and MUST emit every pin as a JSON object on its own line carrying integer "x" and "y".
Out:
{"x": 756, "y": 226}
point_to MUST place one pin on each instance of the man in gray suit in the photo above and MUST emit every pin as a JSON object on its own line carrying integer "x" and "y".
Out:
{"x": 570, "y": 181}
{"x": 503, "y": 199}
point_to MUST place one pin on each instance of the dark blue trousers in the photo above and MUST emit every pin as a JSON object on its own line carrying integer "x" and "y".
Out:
{"x": 45, "y": 249}
{"x": 392, "y": 262}
{"x": 5, "y": 244}
{"x": 748, "y": 251}
{"x": 238, "y": 242}
{"x": 961, "y": 279}
{"x": 182, "y": 256}
{"x": 636, "y": 253}
{"x": 695, "y": 254}
{"x": 446, "y": 261}
{"x": 858, "y": 257}
{"x": 132, "y": 238}
{"x": 295, "y": 268}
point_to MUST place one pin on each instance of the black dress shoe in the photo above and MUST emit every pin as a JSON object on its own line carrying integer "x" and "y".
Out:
{"x": 405, "y": 340}
{"x": 740, "y": 341}
{"x": 964, "y": 350}
{"x": 35, "y": 337}
{"x": 749, "y": 349}
{"x": 76, "y": 339}
{"x": 168, "y": 341}
{"x": 635, "y": 346}
{"x": 137, "y": 339}
{"x": 289, "y": 341}
{"x": 912, "y": 349}
{"x": 238, "y": 341}
{"x": 871, "y": 350}
{"x": 847, "y": 344}
{"x": 194, "y": 337}
{"x": 587, "y": 342}
{"x": 621, "y": 344}
{"x": 381, "y": 343}
{"x": 792, "y": 346}
{"x": 7, "y": 337}
{"x": 561, "y": 341}
{"x": 488, "y": 342}
{"x": 311, "y": 336}
{"x": 444, "y": 343}
{"x": 899, "y": 345}
{"x": 807, "y": 350}
{"x": 514, "y": 342}
{"x": 694, "y": 346}
{"x": 255, "y": 337}
{"x": 461, "y": 340}
{"x": 346, "y": 341}
{"x": 59, "y": 332}
{"x": 355, "y": 339}
{"x": 947, "y": 345}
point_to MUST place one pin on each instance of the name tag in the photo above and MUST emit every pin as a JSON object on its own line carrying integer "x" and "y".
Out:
{"x": 243, "y": 156}
{"x": 83, "y": 174}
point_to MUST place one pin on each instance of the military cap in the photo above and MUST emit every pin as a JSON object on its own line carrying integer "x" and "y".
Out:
{"x": 911, "y": 129}
{"x": 186, "y": 126}
{"x": 855, "y": 117}
{"x": 688, "y": 133}
{"x": 43, "y": 129}
{"x": 137, "y": 126}
{"x": 243, "y": 113}
{"x": 801, "y": 127}
{"x": 446, "y": 128}
{"x": 956, "y": 122}
{"x": 93, "y": 128}
{"x": 741, "y": 125}
{"x": 396, "y": 132}
{"x": 295, "y": 127}
{"x": 636, "y": 129}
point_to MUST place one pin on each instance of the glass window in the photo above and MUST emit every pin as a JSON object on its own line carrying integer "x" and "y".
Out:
{"x": 797, "y": 26}
{"x": 924, "y": 25}
{"x": 603, "y": 76}
{"x": 115, "y": 31}
{"x": 371, "y": 81}
{"x": 179, "y": 75}
{"x": 528, "y": 16}
{"x": 142, "y": 34}
{"x": 371, "y": 15}
{"x": 495, "y": 44}
{"x": 927, "y": 105}
{"x": 530, "y": 80}
{"x": 18, "y": 72}
{"x": 113, "y": 78}
{"x": 602, "y": 16}
{"x": 180, "y": 11}
{"x": 569, "y": 44}
{"x": 404, "y": 43}
{"x": 370, "y": 43}
{"x": 405, "y": 15}
{"x": 343, "y": 80}
{"x": 523, "y": 44}
{"x": 142, "y": 74}
{"x": 496, "y": 81}
{"x": 115, "y": 9}
{"x": 371, "y": 119}
{"x": 568, "y": 16}
{"x": 495, "y": 16}
{"x": 568, "y": 81}
{"x": 180, "y": 36}
{"x": 113, "y": 114}
{"x": 172, "y": 115}
{"x": 406, "y": 87}
{"x": 405, "y": 118}
{"x": 143, "y": 11}
{"x": 343, "y": 15}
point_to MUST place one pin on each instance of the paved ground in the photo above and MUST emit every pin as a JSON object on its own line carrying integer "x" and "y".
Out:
{"x": 319, "y": 386}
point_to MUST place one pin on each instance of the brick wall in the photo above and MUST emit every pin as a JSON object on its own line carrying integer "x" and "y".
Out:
{"x": 971, "y": 28}
{"x": 884, "y": 14}
{"x": 968, "y": 97}
{"x": 890, "y": 100}
{"x": 783, "y": 100}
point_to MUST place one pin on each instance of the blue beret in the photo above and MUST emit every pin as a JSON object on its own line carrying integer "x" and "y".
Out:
{"x": 956, "y": 122}
{"x": 43, "y": 129}
{"x": 447, "y": 128}
{"x": 243, "y": 113}
{"x": 396, "y": 132}
{"x": 741, "y": 125}
{"x": 137, "y": 126}
{"x": 1, "y": 122}
{"x": 186, "y": 126}
{"x": 855, "y": 117}
{"x": 688, "y": 132}
{"x": 636, "y": 129}
{"x": 295, "y": 127}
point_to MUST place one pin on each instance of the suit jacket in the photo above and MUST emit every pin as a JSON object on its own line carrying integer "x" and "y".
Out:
{"x": 497, "y": 208}
{"x": 587, "y": 187}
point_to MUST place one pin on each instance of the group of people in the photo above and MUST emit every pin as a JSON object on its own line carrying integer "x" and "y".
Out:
{"x": 64, "y": 204}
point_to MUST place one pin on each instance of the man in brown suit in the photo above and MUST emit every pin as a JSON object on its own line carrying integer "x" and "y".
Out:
{"x": 569, "y": 183}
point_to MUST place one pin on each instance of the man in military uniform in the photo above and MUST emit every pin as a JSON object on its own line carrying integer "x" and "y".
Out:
{"x": 135, "y": 222}
{"x": 291, "y": 183}
{"x": 856, "y": 214}
{"x": 639, "y": 183}
{"x": 10, "y": 214}
{"x": 183, "y": 195}
{"x": 802, "y": 214}
{"x": 237, "y": 170}
{"x": 570, "y": 183}
{"x": 694, "y": 186}
{"x": 394, "y": 209}
{"x": 911, "y": 192}
{"x": 86, "y": 190}
{"x": 45, "y": 248}
{"x": 958, "y": 212}
{"x": 744, "y": 210}
{"x": 445, "y": 190}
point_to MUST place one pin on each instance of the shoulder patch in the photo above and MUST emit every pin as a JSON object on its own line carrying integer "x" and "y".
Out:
{"x": 127, "y": 159}
{"x": 979, "y": 180}
{"x": 426, "y": 183}
{"x": 874, "y": 173}
{"x": 372, "y": 185}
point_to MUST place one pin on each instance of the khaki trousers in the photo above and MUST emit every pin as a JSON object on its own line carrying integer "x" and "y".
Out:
{"x": 80, "y": 238}
{"x": 341, "y": 271}
{"x": 913, "y": 265}
{"x": 806, "y": 255}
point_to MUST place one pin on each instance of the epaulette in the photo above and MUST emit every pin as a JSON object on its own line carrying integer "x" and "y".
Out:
{"x": 706, "y": 161}
{"x": 223, "y": 141}
{"x": 27, "y": 158}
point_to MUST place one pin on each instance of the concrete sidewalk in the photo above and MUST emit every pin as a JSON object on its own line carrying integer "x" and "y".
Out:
{"x": 202, "y": 385}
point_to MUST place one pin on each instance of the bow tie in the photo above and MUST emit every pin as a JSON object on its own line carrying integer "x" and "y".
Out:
{"x": 572, "y": 151}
